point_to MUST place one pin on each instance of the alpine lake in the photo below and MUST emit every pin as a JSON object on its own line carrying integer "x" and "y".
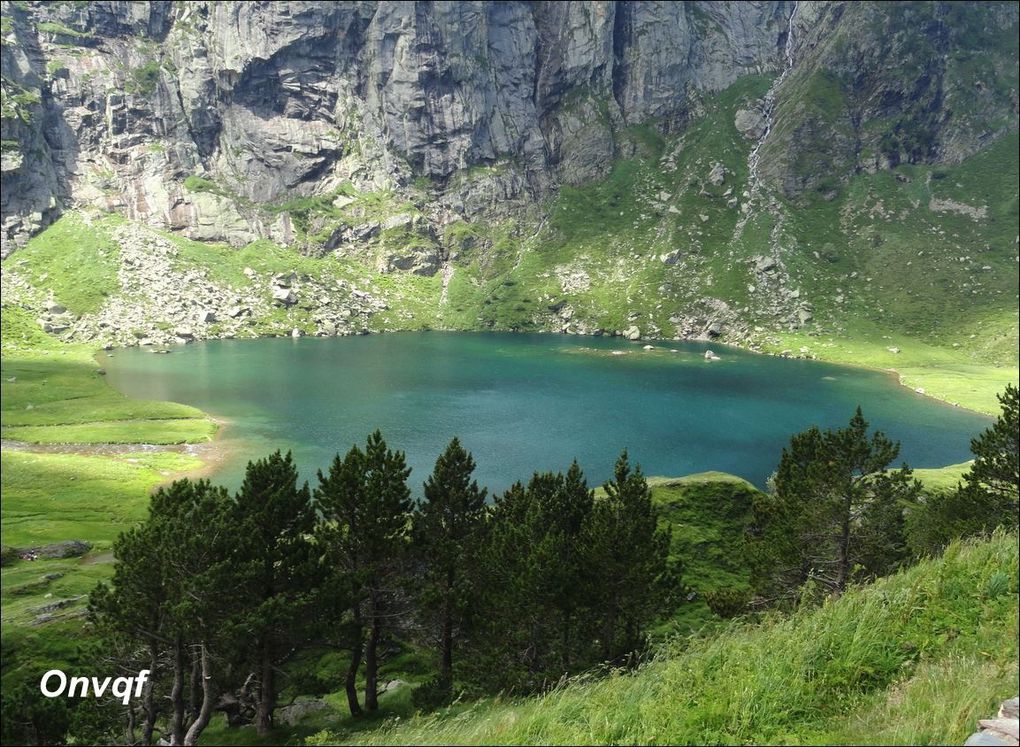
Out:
{"x": 523, "y": 403}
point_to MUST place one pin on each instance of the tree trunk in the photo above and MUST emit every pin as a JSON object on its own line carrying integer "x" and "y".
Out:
{"x": 446, "y": 637}
{"x": 147, "y": 696}
{"x": 609, "y": 629}
{"x": 446, "y": 651}
{"x": 357, "y": 649}
{"x": 565, "y": 656}
{"x": 843, "y": 550}
{"x": 372, "y": 659}
{"x": 267, "y": 696}
{"x": 177, "y": 694}
{"x": 194, "y": 688}
{"x": 208, "y": 696}
{"x": 129, "y": 733}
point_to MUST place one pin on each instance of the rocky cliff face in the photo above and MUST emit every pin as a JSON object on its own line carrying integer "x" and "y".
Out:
{"x": 118, "y": 103}
{"x": 669, "y": 141}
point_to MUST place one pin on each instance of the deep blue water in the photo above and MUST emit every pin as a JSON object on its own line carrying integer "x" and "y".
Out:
{"x": 523, "y": 403}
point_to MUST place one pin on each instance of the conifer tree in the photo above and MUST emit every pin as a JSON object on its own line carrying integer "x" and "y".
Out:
{"x": 274, "y": 572}
{"x": 835, "y": 506}
{"x": 631, "y": 553}
{"x": 365, "y": 505}
{"x": 539, "y": 590}
{"x": 996, "y": 468}
{"x": 988, "y": 496}
{"x": 169, "y": 594}
{"x": 448, "y": 526}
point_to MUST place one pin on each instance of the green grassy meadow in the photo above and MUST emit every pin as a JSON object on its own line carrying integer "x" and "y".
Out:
{"x": 54, "y": 394}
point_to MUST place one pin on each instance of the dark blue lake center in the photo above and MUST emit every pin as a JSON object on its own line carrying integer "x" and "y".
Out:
{"x": 526, "y": 403}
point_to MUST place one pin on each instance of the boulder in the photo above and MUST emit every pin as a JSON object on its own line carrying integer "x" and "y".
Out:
{"x": 64, "y": 549}
{"x": 632, "y": 332}
{"x": 750, "y": 123}
{"x": 295, "y": 712}
{"x": 765, "y": 264}
{"x": 284, "y": 297}
{"x": 402, "y": 220}
{"x": 717, "y": 175}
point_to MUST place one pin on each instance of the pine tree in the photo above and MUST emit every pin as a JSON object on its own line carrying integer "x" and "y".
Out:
{"x": 167, "y": 594}
{"x": 996, "y": 469}
{"x": 631, "y": 554}
{"x": 195, "y": 542}
{"x": 365, "y": 505}
{"x": 274, "y": 571}
{"x": 988, "y": 496}
{"x": 835, "y": 506}
{"x": 448, "y": 527}
{"x": 538, "y": 588}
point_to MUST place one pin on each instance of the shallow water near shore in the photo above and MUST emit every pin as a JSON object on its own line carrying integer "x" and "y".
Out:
{"x": 525, "y": 403}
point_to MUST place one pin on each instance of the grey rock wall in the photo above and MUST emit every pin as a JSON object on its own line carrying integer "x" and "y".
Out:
{"x": 275, "y": 99}
{"x": 115, "y": 104}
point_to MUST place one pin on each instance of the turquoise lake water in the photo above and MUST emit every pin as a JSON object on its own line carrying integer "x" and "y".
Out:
{"x": 525, "y": 403}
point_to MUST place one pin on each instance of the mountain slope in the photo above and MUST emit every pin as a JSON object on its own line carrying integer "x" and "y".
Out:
{"x": 915, "y": 658}
{"x": 833, "y": 179}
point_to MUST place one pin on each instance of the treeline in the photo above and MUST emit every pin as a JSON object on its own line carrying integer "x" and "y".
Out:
{"x": 220, "y": 595}
{"x": 216, "y": 593}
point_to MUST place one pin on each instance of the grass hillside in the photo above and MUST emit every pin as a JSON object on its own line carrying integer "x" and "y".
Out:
{"x": 54, "y": 394}
{"x": 915, "y": 658}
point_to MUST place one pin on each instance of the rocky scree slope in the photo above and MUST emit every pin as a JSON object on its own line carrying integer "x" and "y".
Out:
{"x": 583, "y": 167}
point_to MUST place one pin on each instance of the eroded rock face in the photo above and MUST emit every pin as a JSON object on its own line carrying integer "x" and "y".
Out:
{"x": 194, "y": 116}
{"x": 269, "y": 101}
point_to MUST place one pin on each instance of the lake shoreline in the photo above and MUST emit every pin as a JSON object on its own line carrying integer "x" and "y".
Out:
{"x": 687, "y": 355}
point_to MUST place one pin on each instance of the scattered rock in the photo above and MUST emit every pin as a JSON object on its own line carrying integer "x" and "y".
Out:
{"x": 670, "y": 258}
{"x": 1002, "y": 730}
{"x": 717, "y": 175}
{"x": 937, "y": 205}
{"x": 58, "y": 605}
{"x": 894, "y": 350}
